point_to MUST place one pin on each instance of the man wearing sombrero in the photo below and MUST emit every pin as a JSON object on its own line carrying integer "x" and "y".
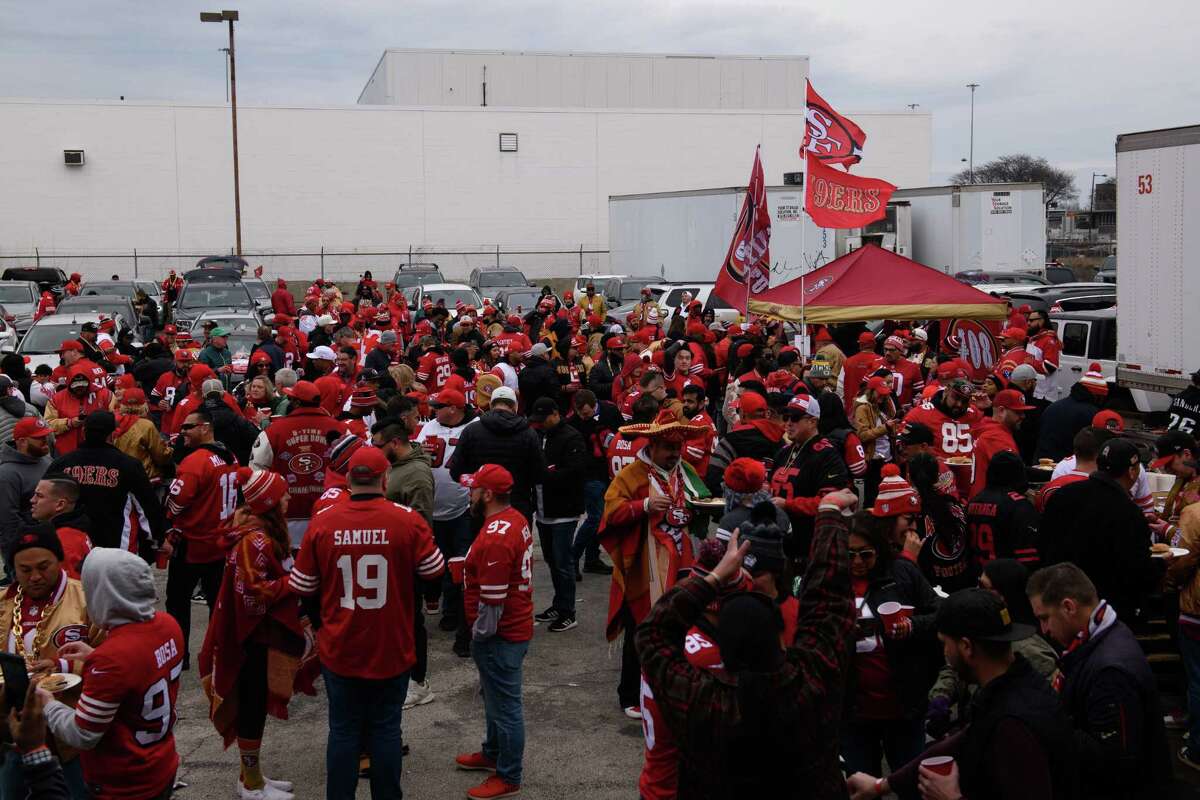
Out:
{"x": 644, "y": 529}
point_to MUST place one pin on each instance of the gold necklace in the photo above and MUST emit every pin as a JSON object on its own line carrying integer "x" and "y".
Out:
{"x": 18, "y": 632}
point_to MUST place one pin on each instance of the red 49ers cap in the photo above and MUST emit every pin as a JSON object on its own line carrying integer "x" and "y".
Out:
{"x": 1010, "y": 399}
{"x": 304, "y": 391}
{"x": 34, "y": 427}
{"x": 489, "y": 476}
{"x": 368, "y": 462}
{"x": 70, "y": 344}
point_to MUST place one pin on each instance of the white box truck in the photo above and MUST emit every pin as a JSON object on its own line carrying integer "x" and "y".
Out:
{"x": 683, "y": 236}
{"x": 994, "y": 227}
{"x": 1158, "y": 233}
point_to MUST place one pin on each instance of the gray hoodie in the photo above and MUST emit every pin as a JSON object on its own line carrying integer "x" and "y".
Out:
{"x": 119, "y": 588}
{"x": 19, "y": 476}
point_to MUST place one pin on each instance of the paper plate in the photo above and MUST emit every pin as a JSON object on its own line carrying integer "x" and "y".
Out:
{"x": 59, "y": 682}
{"x": 1177, "y": 552}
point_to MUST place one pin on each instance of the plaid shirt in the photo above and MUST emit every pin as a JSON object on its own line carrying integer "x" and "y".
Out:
{"x": 806, "y": 690}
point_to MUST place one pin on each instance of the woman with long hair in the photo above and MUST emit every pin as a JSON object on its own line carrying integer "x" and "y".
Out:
{"x": 261, "y": 400}
{"x": 255, "y": 640}
{"x": 895, "y": 662}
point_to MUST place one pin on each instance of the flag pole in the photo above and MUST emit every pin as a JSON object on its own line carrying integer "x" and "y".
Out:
{"x": 750, "y": 240}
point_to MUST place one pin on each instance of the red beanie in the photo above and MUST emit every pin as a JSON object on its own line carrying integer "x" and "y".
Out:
{"x": 745, "y": 475}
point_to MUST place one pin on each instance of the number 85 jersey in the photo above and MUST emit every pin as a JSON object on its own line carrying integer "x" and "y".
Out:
{"x": 499, "y": 572}
{"x": 362, "y": 558}
{"x": 951, "y": 435}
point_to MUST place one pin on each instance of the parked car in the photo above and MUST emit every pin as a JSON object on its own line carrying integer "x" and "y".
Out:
{"x": 599, "y": 281}
{"x": 211, "y": 292}
{"x": 489, "y": 280}
{"x": 1065, "y": 297}
{"x": 261, "y": 294}
{"x": 623, "y": 290}
{"x": 1108, "y": 270}
{"x": 670, "y": 295}
{"x": 449, "y": 293}
{"x": 8, "y": 333}
{"x": 48, "y": 279}
{"x": 110, "y": 305}
{"x": 42, "y": 341}
{"x": 517, "y": 301}
{"x": 122, "y": 288}
{"x": 21, "y": 300}
{"x": 409, "y": 275}
{"x": 230, "y": 321}
{"x": 235, "y": 263}
{"x": 978, "y": 276}
{"x": 1091, "y": 336}
{"x": 1053, "y": 272}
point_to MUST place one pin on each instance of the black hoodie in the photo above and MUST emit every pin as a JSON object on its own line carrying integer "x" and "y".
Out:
{"x": 1061, "y": 420}
{"x": 503, "y": 438}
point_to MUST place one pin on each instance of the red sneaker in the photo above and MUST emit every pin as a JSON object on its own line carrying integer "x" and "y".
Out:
{"x": 494, "y": 786}
{"x": 475, "y": 761}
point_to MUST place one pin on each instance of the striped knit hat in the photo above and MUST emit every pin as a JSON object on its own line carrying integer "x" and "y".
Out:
{"x": 262, "y": 489}
{"x": 895, "y": 496}
{"x": 1093, "y": 380}
{"x": 341, "y": 450}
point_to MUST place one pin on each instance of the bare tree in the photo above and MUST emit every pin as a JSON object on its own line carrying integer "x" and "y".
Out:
{"x": 1057, "y": 184}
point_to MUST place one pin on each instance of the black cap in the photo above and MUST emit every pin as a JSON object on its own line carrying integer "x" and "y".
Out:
{"x": 89, "y": 327}
{"x": 1171, "y": 444}
{"x": 100, "y": 422}
{"x": 1117, "y": 455}
{"x": 542, "y": 408}
{"x": 41, "y": 534}
{"x": 368, "y": 374}
{"x": 979, "y": 615}
{"x": 916, "y": 433}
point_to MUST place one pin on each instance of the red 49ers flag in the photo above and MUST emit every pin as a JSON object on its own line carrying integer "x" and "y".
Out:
{"x": 828, "y": 135}
{"x": 747, "y": 265}
{"x": 836, "y": 199}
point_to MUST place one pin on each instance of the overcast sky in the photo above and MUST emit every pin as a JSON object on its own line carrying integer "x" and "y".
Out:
{"x": 1058, "y": 80}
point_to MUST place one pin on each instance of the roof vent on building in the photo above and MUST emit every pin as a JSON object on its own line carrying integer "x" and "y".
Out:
{"x": 73, "y": 158}
{"x": 508, "y": 143}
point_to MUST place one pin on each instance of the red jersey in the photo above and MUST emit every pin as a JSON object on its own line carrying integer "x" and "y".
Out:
{"x": 622, "y": 452}
{"x": 69, "y": 406}
{"x": 951, "y": 435}
{"x": 855, "y": 369}
{"x": 294, "y": 446}
{"x": 433, "y": 369}
{"x": 907, "y": 381}
{"x": 130, "y": 684}
{"x": 201, "y": 501}
{"x": 1045, "y": 346}
{"x": 698, "y": 451}
{"x": 333, "y": 496}
{"x": 499, "y": 572}
{"x": 363, "y": 558}
{"x": 1043, "y": 497}
{"x": 97, "y": 373}
{"x": 171, "y": 387}
{"x": 511, "y": 341}
{"x": 990, "y": 438}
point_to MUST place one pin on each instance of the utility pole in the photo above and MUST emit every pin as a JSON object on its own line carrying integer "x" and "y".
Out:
{"x": 231, "y": 17}
{"x": 971, "y": 163}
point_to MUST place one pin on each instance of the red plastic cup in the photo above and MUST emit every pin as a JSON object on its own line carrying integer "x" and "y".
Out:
{"x": 942, "y": 765}
{"x": 890, "y": 613}
{"x": 963, "y": 474}
{"x": 162, "y": 559}
{"x": 457, "y": 565}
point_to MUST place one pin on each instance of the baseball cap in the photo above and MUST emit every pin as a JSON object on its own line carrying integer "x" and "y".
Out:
{"x": 803, "y": 405}
{"x": 961, "y": 387}
{"x": 304, "y": 391}
{"x": 1117, "y": 455}
{"x": 1023, "y": 372}
{"x": 367, "y": 462}
{"x": 1010, "y": 399}
{"x": 450, "y": 397}
{"x": 1017, "y": 334}
{"x": 31, "y": 427}
{"x": 183, "y": 355}
{"x": 504, "y": 394}
{"x": 879, "y": 385}
{"x": 539, "y": 349}
{"x": 1168, "y": 446}
{"x": 866, "y": 337}
{"x": 218, "y": 331}
{"x": 70, "y": 344}
{"x": 542, "y": 408}
{"x": 616, "y": 343}
{"x": 979, "y": 615}
{"x": 916, "y": 433}
{"x": 89, "y": 327}
{"x": 100, "y": 422}
{"x": 489, "y": 476}
{"x": 751, "y": 403}
{"x": 1108, "y": 420}
{"x": 323, "y": 353}
{"x": 170, "y": 330}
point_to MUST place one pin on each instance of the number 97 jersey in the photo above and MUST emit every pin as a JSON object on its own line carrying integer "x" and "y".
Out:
{"x": 951, "y": 435}
{"x": 499, "y": 572}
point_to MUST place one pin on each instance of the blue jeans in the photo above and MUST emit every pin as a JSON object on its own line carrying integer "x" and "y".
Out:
{"x": 1190, "y": 650}
{"x": 500, "y": 666}
{"x": 453, "y": 537}
{"x": 364, "y": 716}
{"x": 587, "y": 543}
{"x": 866, "y": 741}
{"x": 555, "y": 540}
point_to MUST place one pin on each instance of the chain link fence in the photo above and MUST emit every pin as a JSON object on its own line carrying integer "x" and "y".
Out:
{"x": 456, "y": 265}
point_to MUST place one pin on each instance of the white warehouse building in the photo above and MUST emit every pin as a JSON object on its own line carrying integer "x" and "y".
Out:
{"x": 420, "y": 165}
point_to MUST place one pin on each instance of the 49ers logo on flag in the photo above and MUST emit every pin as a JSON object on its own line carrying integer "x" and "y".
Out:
{"x": 748, "y": 261}
{"x": 828, "y": 136}
{"x": 975, "y": 344}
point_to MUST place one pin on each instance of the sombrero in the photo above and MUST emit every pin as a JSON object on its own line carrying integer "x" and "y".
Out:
{"x": 665, "y": 426}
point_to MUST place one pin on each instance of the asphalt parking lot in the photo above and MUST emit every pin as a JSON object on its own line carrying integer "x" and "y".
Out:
{"x": 578, "y": 743}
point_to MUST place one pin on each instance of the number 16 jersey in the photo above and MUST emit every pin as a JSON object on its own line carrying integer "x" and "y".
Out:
{"x": 362, "y": 557}
{"x": 499, "y": 572}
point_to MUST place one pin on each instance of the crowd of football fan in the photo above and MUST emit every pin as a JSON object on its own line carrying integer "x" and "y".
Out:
{"x": 876, "y": 555}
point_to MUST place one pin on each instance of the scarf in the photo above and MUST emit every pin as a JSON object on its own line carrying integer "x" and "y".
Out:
{"x": 1103, "y": 618}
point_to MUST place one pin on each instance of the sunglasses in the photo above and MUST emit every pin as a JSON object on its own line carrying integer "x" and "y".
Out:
{"x": 187, "y": 426}
{"x": 866, "y": 554}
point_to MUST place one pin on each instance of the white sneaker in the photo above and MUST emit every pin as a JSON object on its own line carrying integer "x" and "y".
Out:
{"x": 418, "y": 694}
{"x": 633, "y": 712}
{"x": 282, "y": 786}
{"x": 268, "y": 792}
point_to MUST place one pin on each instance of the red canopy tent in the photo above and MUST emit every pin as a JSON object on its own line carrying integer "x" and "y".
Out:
{"x": 873, "y": 283}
